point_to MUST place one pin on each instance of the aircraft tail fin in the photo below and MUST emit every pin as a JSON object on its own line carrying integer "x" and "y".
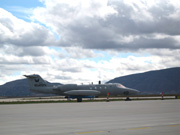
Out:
{"x": 35, "y": 81}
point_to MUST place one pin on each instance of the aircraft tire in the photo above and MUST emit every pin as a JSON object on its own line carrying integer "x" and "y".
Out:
{"x": 79, "y": 99}
{"x": 127, "y": 99}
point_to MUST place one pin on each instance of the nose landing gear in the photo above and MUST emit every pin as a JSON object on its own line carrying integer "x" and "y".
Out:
{"x": 127, "y": 99}
{"x": 126, "y": 93}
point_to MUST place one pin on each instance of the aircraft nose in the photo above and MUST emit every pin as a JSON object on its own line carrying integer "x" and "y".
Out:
{"x": 132, "y": 91}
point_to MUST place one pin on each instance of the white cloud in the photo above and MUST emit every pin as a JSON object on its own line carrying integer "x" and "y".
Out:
{"x": 118, "y": 25}
{"x": 70, "y": 70}
{"x": 83, "y": 41}
{"x": 17, "y": 32}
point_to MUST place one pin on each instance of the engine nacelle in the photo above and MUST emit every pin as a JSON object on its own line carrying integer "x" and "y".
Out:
{"x": 73, "y": 97}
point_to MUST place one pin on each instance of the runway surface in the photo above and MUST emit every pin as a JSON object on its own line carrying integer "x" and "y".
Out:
{"x": 158, "y": 117}
{"x": 61, "y": 98}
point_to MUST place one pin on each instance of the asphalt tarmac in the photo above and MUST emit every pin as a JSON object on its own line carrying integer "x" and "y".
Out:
{"x": 158, "y": 117}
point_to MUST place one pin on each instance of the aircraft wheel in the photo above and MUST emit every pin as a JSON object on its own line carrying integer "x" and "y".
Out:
{"x": 79, "y": 99}
{"x": 127, "y": 99}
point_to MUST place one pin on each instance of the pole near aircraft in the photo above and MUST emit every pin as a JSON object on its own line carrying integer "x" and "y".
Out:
{"x": 37, "y": 84}
{"x": 107, "y": 97}
{"x": 162, "y": 96}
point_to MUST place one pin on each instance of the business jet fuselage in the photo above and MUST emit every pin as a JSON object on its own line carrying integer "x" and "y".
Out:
{"x": 37, "y": 84}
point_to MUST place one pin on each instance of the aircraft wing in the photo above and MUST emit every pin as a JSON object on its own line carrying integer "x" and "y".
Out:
{"x": 82, "y": 92}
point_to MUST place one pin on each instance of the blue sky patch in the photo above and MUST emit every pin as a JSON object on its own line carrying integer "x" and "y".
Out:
{"x": 20, "y": 8}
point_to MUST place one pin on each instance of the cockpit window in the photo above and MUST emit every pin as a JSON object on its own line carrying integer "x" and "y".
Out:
{"x": 120, "y": 85}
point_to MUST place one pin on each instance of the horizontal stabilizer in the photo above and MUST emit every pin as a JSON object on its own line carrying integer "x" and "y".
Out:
{"x": 82, "y": 92}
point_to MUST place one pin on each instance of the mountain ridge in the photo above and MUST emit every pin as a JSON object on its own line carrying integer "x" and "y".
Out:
{"x": 151, "y": 82}
{"x": 19, "y": 88}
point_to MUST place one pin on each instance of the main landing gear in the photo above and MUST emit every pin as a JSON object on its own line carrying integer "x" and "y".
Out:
{"x": 79, "y": 99}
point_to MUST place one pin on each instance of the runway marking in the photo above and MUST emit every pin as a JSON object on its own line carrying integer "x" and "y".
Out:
{"x": 138, "y": 128}
{"x": 174, "y": 125}
{"x": 89, "y": 132}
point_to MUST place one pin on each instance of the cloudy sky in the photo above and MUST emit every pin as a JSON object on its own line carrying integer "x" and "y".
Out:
{"x": 80, "y": 41}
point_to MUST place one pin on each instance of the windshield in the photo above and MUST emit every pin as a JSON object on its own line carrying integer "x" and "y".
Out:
{"x": 120, "y": 85}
